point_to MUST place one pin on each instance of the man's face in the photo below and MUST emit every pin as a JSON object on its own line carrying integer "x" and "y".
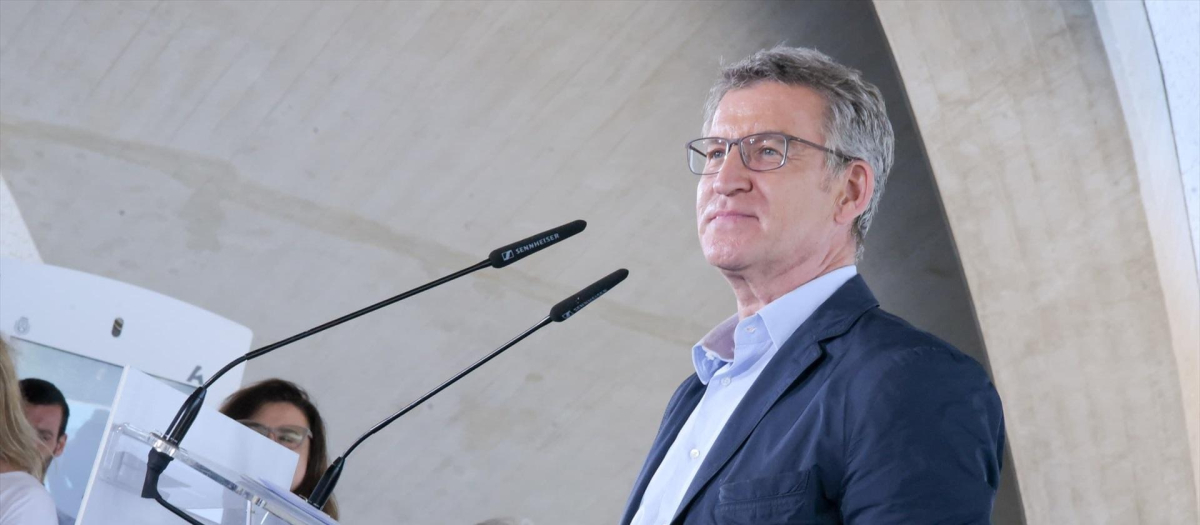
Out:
{"x": 767, "y": 222}
{"x": 46, "y": 420}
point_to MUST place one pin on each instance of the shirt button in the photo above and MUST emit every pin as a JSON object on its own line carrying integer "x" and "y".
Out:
{"x": 725, "y": 381}
{"x": 695, "y": 453}
{"x": 750, "y": 329}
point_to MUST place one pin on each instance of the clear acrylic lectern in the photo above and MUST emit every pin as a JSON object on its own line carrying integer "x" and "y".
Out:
{"x": 223, "y": 473}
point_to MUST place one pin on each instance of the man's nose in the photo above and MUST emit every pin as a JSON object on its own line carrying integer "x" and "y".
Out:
{"x": 734, "y": 176}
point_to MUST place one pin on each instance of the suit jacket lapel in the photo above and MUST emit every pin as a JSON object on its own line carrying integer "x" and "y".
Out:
{"x": 801, "y": 351}
{"x": 678, "y": 411}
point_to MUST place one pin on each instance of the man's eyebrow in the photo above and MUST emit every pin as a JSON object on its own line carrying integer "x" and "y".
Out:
{"x": 759, "y": 132}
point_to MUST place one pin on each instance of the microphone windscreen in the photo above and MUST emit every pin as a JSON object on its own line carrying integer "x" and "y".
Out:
{"x": 506, "y": 255}
{"x": 571, "y": 305}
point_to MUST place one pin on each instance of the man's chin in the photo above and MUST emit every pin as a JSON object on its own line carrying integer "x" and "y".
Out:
{"x": 726, "y": 260}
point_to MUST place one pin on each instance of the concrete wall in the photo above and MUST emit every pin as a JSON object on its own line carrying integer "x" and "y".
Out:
{"x": 282, "y": 163}
{"x": 1047, "y": 198}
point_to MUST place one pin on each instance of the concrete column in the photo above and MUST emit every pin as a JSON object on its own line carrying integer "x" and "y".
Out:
{"x": 1046, "y": 198}
{"x": 1129, "y": 42}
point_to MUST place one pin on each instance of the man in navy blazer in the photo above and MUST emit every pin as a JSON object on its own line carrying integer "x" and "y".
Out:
{"x": 811, "y": 405}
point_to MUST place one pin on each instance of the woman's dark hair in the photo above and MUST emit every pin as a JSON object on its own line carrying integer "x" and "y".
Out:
{"x": 246, "y": 402}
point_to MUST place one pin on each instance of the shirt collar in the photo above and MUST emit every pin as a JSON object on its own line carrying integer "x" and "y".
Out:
{"x": 785, "y": 314}
{"x": 706, "y": 355}
{"x": 780, "y": 317}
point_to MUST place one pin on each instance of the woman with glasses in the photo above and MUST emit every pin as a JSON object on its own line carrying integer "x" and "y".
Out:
{"x": 283, "y": 412}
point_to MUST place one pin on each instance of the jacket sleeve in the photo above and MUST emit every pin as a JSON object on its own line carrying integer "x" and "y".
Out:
{"x": 924, "y": 440}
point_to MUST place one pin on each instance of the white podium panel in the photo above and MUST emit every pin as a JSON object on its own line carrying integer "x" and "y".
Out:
{"x": 119, "y": 323}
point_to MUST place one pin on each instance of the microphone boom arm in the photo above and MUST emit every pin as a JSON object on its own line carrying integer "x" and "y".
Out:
{"x": 545, "y": 321}
{"x": 157, "y": 461}
{"x": 559, "y": 313}
{"x": 324, "y": 488}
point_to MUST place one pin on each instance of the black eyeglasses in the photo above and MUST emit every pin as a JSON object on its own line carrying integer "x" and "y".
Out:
{"x": 759, "y": 152}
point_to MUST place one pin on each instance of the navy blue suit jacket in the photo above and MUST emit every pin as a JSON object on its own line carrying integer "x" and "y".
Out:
{"x": 860, "y": 418}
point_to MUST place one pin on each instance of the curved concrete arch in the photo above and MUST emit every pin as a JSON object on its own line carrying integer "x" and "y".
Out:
{"x": 1071, "y": 247}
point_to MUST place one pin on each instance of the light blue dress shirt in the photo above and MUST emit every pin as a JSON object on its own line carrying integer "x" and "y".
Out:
{"x": 727, "y": 361}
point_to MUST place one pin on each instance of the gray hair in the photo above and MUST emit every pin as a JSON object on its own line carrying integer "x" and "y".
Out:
{"x": 856, "y": 121}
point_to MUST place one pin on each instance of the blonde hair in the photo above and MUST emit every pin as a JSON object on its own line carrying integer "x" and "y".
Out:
{"x": 18, "y": 444}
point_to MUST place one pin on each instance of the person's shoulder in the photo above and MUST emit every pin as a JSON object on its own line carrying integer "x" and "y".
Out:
{"x": 882, "y": 345}
{"x": 878, "y": 328}
{"x": 25, "y": 501}
{"x": 18, "y": 481}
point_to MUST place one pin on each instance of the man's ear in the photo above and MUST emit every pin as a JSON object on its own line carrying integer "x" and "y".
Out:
{"x": 854, "y": 191}
{"x": 61, "y": 445}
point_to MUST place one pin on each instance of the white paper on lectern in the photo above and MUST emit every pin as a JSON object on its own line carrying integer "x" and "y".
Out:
{"x": 149, "y": 404}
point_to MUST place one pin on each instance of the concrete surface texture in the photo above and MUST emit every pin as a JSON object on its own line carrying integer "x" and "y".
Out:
{"x": 1024, "y": 127}
{"x": 282, "y": 163}
{"x": 15, "y": 240}
{"x": 1131, "y": 44}
{"x": 1176, "y": 43}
